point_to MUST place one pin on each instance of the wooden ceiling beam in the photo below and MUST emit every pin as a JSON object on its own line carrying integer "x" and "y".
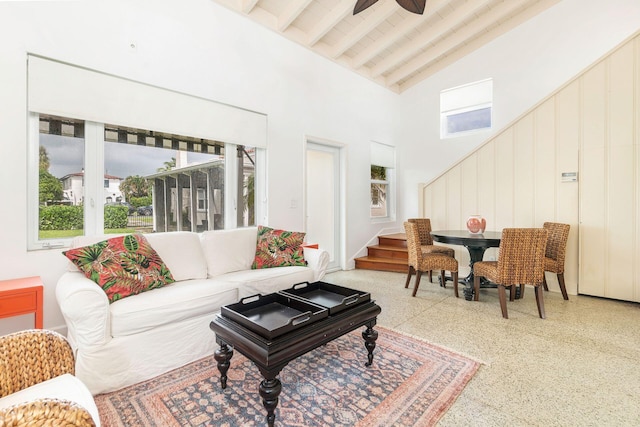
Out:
{"x": 368, "y": 24}
{"x": 457, "y": 40}
{"x": 392, "y": 50}
{"x": 478, "y": 42}
{"x": 392, "y": 36}
{"x": 248, "y": 5}
{"x": 435, "y": 32}
{"x": 329, "y": 21}
{"x": 292, "y": 11}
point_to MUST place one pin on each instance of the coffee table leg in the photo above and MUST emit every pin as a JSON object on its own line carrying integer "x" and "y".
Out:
{"x": 370, "y": 336}
{"x": 223, "y": 357}
{"x": 269, "y": 391}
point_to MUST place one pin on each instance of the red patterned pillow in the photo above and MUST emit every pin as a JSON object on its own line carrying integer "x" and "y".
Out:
{"x": 122, "y": 266}
{"x": 278, "y": 248}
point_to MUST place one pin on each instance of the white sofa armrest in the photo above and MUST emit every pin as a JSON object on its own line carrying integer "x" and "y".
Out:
{"x": 317, "y": 260}
{"x": 85, "y": 308}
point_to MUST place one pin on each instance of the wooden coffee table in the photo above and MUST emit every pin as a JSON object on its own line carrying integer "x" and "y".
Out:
{"x": 271, "y": 355}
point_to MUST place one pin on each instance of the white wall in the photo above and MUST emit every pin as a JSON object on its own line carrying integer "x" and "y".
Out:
{"x": 200, "y": 48}
{"x": 526, "y": 64}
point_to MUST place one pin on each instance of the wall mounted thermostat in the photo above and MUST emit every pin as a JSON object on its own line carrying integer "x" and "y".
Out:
{"x": 569, "y": 176}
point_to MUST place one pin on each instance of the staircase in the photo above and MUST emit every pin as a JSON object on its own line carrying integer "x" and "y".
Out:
{"x": 390, "y": 254}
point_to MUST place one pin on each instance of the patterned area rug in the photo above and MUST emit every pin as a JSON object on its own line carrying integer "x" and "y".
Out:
{"x": 411, "y": 383}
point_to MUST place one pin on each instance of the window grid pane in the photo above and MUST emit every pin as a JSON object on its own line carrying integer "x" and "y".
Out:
{"x": 60, "y": 177}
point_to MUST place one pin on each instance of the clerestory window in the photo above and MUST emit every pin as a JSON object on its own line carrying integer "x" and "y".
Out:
{"x": 466, "y": 109}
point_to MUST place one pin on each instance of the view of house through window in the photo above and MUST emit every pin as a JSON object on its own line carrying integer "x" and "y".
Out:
{"x": 152, "y": 181}
{"x": 60, "y": 177}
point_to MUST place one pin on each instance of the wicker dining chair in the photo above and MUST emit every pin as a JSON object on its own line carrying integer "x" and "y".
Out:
{"x": 421, "y": 262}
{"x": 426, "y": 241}
{"x": 31, "y": 357}
{"x": 555, "y": 253}
{"x": 520, "y": 262}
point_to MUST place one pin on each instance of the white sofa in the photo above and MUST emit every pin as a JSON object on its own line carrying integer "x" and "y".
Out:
{"x": 145, "y": 335}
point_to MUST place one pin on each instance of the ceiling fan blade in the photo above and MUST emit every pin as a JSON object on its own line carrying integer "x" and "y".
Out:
{"x": 415, "y": 6}
{"x": 362, "y": 5}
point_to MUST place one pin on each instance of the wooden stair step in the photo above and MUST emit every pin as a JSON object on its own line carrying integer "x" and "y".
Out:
{"x": 381, "y": 264}
{"x": 385, "y": 251}
{"x": 397, "y": 239}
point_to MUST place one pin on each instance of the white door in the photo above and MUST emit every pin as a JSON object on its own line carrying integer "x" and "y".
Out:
{"x": 323, "y": 201}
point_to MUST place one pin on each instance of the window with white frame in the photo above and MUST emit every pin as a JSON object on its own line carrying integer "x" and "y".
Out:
{"x": 142, "y": 168}
{"x": 89, "y": 176}
{"x": 382, "y": 181}
{"x": 466, "y": 109}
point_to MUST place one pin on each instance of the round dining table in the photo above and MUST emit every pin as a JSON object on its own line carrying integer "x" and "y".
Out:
{"x": 476, "y": 244}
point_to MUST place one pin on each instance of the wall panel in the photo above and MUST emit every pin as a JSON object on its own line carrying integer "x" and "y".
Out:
{"x": 469, "y": 188}
{"x": 593, "y": 221}
{"x": 504, "y": 181}
{"x": 567, "y": 143}
{"x": 524, "y": 161}
{"x": 454, "y": 201}
{"x": 487, "y": 181}
{"x": 636, "y": 182}
{"x": 590, "y": 126}
{"x": 545, "y": 147}
{"x": 620, "y": 242}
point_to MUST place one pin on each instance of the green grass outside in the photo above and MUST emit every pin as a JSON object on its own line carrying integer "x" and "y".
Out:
{"x": 66, "y": 234}
{"x": 59, "y": 234}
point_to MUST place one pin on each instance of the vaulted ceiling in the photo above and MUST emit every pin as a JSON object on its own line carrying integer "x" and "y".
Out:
{"x": 386, "y": 43}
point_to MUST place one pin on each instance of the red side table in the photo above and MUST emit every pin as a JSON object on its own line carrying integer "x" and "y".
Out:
{"x": 22, "y": 296}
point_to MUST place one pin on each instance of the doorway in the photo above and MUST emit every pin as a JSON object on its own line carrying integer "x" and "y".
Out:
{"x": 323, "y": 200}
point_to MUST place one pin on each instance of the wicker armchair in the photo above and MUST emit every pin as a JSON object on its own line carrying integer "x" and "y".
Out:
{"x": 28, "y": 358}
{"x": 426, "y": 241}
{"x": 420, "y": 262}
{"x": 555, "y": 253}
{"x": 520, "y": 262}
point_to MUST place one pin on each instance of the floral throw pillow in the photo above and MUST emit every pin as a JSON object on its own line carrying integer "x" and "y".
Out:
{"x": 278, "y": 248}
{"x": 122, "y": 266}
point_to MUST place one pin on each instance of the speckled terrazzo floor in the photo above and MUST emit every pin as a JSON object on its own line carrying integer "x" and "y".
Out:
{"x": 578, "y": 367}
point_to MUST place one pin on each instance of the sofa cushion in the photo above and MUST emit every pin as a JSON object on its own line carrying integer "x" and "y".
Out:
{"x": 170, "y": 304}
{"x": 182, "y": 253}
{"x": 122, "y": 266}
{"x": 229, "y": 250}
{"x": 278, "y": 248}
{"x": 63, "y": 387}
{"x": 266, "y": 281}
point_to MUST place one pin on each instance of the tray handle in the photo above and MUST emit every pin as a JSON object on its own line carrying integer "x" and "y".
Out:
{"x": 250, "y": 299}
{"x": 300, "y": 285}
{"x": 350, "y": 299}
{"x": 300, "y": 318}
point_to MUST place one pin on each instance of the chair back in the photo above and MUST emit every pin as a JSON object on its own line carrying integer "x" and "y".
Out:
{"x": 32, "y": 356}
{"x": 424, "y": 230}
{"x": 521, "y": 256}
{"x": 413, "y": 244}
{"x": 557, "y": 242}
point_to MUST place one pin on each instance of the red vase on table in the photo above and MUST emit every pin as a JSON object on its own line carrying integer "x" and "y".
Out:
{"x": 476, "y": 224}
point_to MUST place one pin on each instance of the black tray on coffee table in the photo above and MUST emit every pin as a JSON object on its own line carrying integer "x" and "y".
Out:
{"x": 267, "y": 330}
{"x": 335, "y": 298}
{"x": 274, "y": 314}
